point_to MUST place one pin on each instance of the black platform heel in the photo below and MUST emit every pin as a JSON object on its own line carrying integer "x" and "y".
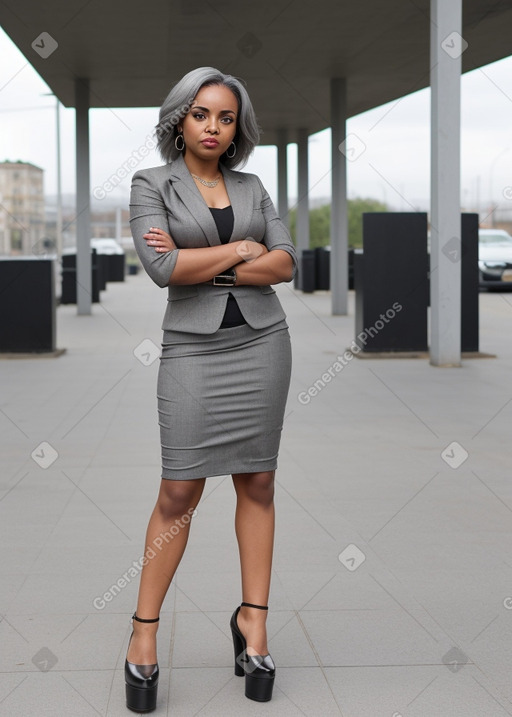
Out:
{"x": 259, "y": 670}
{"x": 141, "y": 681}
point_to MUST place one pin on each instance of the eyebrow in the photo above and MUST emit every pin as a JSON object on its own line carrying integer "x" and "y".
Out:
{"x": 205, "y": 109}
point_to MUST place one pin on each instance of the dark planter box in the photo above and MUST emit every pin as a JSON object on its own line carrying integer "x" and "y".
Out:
{"x": 391, "y": 283}
{"x": 68, "y": 289}
{"x": 27, "y": 305}
{"x": 116, "y": 268}
{"x": 314, "y": 270}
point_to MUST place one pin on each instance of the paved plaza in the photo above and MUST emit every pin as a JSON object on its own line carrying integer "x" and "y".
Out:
{"x": 392, "y": 577}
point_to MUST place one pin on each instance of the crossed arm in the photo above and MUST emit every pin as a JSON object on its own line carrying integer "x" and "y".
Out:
{"x": 255, "y": 265}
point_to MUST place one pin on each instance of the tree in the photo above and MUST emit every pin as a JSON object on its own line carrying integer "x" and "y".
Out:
{"x": 320, "y": 222}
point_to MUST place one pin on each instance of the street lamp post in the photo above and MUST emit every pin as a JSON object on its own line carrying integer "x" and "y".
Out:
{"x": 58, "y": 227}
{"x": 491, "y": 177}
{"x": 59, "y": 185}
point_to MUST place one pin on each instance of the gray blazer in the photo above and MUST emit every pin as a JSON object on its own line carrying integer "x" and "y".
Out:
{"x": 167, "y": 197}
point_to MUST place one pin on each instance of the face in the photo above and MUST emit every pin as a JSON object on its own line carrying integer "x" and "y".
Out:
{"x": 210, "y": 126}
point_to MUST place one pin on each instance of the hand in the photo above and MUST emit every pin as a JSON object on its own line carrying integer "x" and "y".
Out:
{"x": 160, "y": 240}
{"x": 250, "y": 250}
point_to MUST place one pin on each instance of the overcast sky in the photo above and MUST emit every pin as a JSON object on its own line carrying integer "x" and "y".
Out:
{"x": 395, "y": 167}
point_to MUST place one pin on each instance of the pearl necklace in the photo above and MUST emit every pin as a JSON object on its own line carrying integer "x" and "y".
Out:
{"x": 211, "y": 184}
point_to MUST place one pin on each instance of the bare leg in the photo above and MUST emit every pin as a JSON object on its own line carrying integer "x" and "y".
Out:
{"x": 176, "y": 501}
{"x": 254, "y": 525}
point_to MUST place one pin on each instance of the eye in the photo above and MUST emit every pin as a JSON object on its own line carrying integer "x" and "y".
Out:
{"x": 227, "y": 120}
{"x": 198, "y": 115}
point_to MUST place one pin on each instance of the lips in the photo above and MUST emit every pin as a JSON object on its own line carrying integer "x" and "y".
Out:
{"x": 210, "y": 143}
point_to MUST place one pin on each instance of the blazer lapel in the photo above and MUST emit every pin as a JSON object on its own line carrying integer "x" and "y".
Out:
{"x": 240, "y": 198}
{"x": 241, "y": 202}
{"x": 186, "y": 189}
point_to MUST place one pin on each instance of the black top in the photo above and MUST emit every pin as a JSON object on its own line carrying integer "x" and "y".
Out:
{"x": 224, "y": 220}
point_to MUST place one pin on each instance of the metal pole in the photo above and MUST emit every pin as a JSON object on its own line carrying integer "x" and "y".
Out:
{"x": 446, "y": 47}
{"x": 118, "y": 224}
{"x": 302, "y": 192}
{"x": 83, "y": 217}
{"x": 282, "y": 176}
{"x": 59, "y": 186}
{"x": 58, "y": 219}
{"x": 493, "y": 206}
{"x": 339, "y": 213}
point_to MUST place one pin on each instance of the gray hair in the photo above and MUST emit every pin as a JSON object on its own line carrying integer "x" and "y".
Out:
{"x": 177, "y": 104}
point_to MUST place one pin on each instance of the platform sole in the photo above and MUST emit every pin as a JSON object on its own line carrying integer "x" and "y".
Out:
{"x": 140, "y": 699}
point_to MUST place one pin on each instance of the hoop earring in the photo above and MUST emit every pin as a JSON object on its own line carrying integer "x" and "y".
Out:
{"x": 234, "y": 151}
{"x": 179, "y": 136}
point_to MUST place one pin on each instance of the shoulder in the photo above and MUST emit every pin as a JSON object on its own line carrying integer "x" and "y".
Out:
{"x": 250, "y": 180}
{"x": 154, "y": 174}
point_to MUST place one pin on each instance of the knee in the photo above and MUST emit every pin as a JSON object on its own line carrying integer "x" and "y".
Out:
{"x": 258, "y": 487}
{"x": 177, "y": 499}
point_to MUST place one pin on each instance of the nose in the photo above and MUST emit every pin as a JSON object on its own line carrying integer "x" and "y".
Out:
{"x": 212, "y": 127}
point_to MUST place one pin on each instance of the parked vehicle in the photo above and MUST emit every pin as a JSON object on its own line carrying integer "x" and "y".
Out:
{"x": 495, "y": 259}
{"x": 106, "y": 246}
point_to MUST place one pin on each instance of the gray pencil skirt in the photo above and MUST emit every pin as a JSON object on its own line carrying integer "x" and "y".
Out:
{"x": 221, "y": 400}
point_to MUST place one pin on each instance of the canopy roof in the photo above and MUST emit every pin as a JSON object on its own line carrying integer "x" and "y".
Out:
{"x": 132, "y": 52}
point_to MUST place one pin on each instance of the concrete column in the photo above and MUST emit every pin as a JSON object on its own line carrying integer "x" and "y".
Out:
{"x": 282, "y": 175}
{"x": 446, "y": 47}
{"x": 302, "y": 192}
{"x": 83, "y": 191}
{"x": 58, "y": 220}
{"x": 339, "y": 213}
{"x": 119, "y": 229}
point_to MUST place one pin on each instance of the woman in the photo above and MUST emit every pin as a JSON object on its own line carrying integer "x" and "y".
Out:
{"x": 211, "y": 235}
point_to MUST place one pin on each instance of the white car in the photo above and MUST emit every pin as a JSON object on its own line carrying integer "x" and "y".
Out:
{"x": 106, "y": 246}
{"x": 495, "y": 259}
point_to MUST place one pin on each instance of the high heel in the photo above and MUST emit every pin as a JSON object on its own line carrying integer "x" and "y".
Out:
{"x": 259, "y": 670}
{"x": 141, "y": 681}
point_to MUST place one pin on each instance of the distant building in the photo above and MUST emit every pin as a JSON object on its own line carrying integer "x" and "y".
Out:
{"x": 22, "y": 219}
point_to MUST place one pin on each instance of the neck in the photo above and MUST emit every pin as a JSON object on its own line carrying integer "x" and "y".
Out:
{"x": 204, "y": 169}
